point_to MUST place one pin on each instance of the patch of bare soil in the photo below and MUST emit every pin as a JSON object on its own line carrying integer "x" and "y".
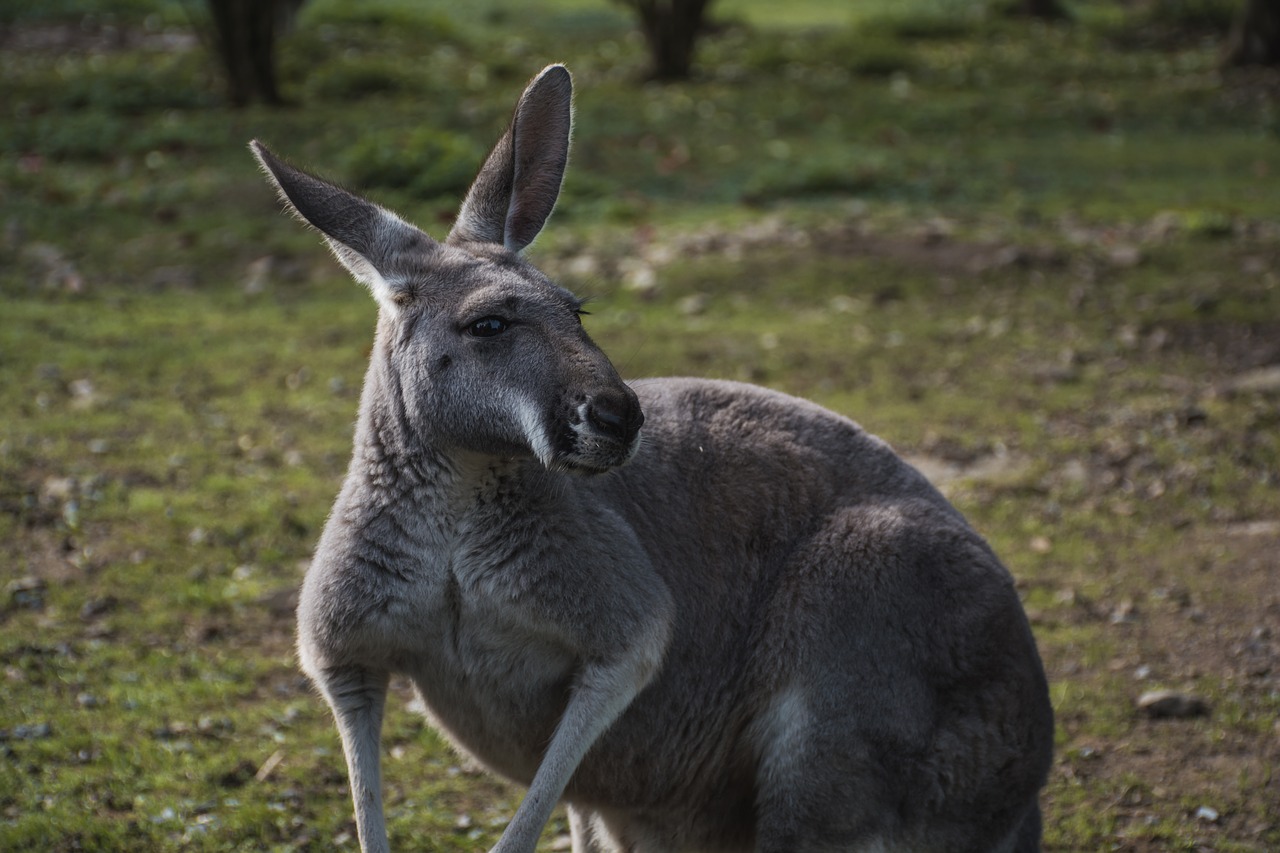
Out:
{"x": 1214, "y": 620}
{"x": 90, "y": 36}
{"x": 1229, "y": 346}
{"x": 932, "y": 247}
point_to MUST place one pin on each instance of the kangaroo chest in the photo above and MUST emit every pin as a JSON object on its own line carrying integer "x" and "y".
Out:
{"x": 493, "y": 611}
{"x": 493, "y": 671}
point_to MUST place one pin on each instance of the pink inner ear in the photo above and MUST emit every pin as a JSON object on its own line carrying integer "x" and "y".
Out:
{"x": 517, "y": 187}
{"x": 541, "y": 132}
{"x": 364, "y": 237}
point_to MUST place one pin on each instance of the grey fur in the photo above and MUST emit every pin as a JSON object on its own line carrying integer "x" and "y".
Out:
{"x": 766, "y": 632}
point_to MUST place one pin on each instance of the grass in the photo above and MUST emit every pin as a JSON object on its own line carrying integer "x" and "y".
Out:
{"x": 1034, "y": 258}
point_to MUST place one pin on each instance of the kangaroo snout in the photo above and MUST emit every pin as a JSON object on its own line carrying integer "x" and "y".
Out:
{"x": 606, "y": 433}
{"x": 616, "y": 414}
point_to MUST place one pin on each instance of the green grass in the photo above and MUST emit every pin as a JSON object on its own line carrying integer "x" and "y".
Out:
{"x": 1034, "y": 257}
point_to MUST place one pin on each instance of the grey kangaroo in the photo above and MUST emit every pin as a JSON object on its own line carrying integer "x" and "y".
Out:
{"x": 704, "y": 615}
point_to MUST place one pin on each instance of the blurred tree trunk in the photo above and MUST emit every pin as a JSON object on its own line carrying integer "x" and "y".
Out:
{"x": 1052, "y": 10}
{"x": 244, "y": 37}
{"x": 1255, "y": 36}
{"x": 671, "y": 29}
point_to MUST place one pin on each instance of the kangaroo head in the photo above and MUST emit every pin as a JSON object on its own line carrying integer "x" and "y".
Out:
{"x": 483, "y": 353}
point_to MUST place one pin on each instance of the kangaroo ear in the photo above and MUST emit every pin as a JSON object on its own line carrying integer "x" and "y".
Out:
{"x": 366, "y": 239}
{"x": 518, "y": 185}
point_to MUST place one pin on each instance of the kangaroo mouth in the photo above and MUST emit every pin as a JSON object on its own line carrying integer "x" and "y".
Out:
{"x": 570, "y": 466}
{"x": 593, "y": 436}
{"x": 586, "y": 451}
{"x": 589, "y": 442}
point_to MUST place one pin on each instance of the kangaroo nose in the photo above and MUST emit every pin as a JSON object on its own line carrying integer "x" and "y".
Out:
{"x": 616, "y": 414}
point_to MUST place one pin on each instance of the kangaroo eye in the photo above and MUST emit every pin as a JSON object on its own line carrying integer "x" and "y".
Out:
{"x": 487, "y": 327}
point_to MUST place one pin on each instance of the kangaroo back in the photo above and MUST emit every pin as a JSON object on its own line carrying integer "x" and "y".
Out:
{"x": 706, "y": 615}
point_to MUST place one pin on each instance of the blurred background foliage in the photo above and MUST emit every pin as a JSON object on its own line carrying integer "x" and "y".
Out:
{"x": 873, "y": 93}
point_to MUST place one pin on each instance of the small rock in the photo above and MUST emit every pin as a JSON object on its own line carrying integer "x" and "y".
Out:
{"x": 583, "y": 266}
{"x": 83, "y": 394}
{"x": 660, "y": 254}
{"x": 1263, "y": 380}
{"x": 1206, "y": 814}
{"x": 1156, "y": 340}
{"x": 639, "y": 277}
{"x": 35, "y": 731}
{"x": 71, "y": 514}
{"x": 937, "y": 230}
{"x": 1074, "y": 471}
{"x": 1159, "y": 704}
{"x": 215, "y": 726}
{"x": 1125, "y": 257}
{"x": 1254, "y": 528}
{"x": 95, "y": 607}
{"x": 692, "y": 305}
{"x": 1124, "y": 612}
{"x": 27, "y": 592}
{"x": 842, "y": 304}
{"x": 1008, "y": 256}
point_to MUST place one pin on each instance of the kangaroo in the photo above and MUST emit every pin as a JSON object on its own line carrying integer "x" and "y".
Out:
{"x": 705, "y": 615}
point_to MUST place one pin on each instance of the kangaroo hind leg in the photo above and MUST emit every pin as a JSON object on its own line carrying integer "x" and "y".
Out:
{"x": 815, "y": 782}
